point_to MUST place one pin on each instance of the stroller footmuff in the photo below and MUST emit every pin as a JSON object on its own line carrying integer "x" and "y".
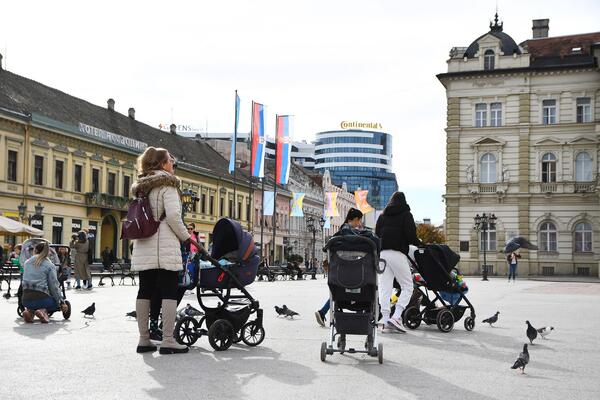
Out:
{"x": 352, "y": 281}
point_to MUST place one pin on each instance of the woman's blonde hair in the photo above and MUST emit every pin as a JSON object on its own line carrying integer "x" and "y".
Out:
{"x": 152, "y": 159}
{"x": 41, "y": 252}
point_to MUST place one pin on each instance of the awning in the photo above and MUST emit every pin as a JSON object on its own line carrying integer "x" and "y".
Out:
{"x": 11, "y": 227}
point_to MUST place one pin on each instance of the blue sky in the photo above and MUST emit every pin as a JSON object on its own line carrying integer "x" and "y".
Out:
{"x": 322, "y": 61}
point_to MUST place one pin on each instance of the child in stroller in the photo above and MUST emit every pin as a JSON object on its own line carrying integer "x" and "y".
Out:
{"x": 232, "y": 265}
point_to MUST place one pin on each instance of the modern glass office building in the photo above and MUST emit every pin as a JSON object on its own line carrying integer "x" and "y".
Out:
{"x": 361, "y": 158}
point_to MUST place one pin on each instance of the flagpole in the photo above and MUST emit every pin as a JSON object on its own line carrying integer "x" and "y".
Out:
{"x": 275, "y": 189}
{"x": 234, "y": 155}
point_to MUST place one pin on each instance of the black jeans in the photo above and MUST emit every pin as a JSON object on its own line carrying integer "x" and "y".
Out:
{"x": 158, "y": 283}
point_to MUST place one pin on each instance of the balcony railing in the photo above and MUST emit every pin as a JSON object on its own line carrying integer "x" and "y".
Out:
{"x": 104, "y": 200}
{"x": 548, "y": 187}
{"x": 487, "y": 188}
{"x": 585, "y": 187}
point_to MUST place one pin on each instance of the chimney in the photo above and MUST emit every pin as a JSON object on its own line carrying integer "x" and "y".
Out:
{"x": 111, "y": 104}
{"x": 131, "y": 113}
{"x": 540, "y": 28}
{"x": 173, "y": 129}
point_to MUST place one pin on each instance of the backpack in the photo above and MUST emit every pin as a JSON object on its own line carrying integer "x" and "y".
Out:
{"x": 140, "y": 222}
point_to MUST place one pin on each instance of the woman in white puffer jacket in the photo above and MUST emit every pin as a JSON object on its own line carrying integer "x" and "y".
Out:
{"x": 158, "y": 257}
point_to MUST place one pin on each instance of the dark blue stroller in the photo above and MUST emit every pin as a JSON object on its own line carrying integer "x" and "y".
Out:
{"x": 232, "y": 265}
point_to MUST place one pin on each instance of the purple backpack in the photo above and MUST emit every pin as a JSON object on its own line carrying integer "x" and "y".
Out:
{"x": 140, "y": 222}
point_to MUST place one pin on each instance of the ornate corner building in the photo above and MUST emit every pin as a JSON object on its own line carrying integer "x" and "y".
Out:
{"x": 523, "y": 127}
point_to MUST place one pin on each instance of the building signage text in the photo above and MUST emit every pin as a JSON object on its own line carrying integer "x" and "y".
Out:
{"x": 355, "y": 124}
{"x": 112, "y": 137}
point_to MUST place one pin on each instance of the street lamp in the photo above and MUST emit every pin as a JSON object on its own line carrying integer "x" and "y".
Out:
{"x": 483, "y": 223}
{"x": 39, "y": 208}
{"x": 312, "y": 227}
{"x": 188, "y": 199}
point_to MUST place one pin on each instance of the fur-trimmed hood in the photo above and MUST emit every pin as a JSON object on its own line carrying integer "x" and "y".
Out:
{"x": 153, "y": 180}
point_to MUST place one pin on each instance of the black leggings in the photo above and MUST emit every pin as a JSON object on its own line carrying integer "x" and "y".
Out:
{"x": 158, "y": 283}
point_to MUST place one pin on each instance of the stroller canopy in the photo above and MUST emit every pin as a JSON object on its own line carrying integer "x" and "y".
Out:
{"x": 229, "y": 239}
{"x": 27, "y": 251}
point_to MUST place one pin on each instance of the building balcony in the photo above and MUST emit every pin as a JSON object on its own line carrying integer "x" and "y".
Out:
{"x": 104, "y": 200}
{"x": 548, "y": 187}
{"x": 585, "y": 187}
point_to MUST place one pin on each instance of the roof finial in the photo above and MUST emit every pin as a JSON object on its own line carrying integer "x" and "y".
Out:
{"x": 496, "y": 26}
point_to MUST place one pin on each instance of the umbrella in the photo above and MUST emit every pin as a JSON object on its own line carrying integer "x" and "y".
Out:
{"x": 518, "y": 243}
{"x": 11, "y": 227}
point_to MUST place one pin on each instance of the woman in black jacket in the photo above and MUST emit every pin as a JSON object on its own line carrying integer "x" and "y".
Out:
{"x": 397, "y": 230}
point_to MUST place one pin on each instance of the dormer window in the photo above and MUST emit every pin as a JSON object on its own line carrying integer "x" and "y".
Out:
{"x": 488, "y": 60}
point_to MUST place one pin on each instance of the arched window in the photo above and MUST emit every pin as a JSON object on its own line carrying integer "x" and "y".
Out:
{"x": 488, "y": 59}
{"x": 583, "y": 237}
{"x": 487, "y": 168}
{"x": 549, "y": 168}
{"x": 547, "y": 236}
{"x": 583, "y": 167}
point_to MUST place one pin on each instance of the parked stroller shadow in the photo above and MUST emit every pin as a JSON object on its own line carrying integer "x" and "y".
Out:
{"x": 223, "y": 374}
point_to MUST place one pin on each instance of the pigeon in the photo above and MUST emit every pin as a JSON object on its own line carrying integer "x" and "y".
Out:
{"x": 280, "y": 311}
{"x": 288, "y": 312}
{"x": 545, "y": 331}
{"x": 517, "y": 243}
{"x": 90, "y": 310}
{"x": 531, "y": 332}
{"x": 189, "y": 311}
{"x": 131, "y": 314}
{"x": 523, "y": 360}
{"x": 491, "y": 320}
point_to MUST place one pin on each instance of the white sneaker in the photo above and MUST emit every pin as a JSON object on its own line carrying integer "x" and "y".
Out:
{"x": 395, "y": 325}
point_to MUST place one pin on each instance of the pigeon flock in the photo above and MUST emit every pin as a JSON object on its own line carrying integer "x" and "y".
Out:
{"x": 285, "y": 312}
{"x": 532, "y": 334}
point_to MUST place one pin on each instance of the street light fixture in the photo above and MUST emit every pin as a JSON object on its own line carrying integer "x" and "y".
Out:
{"x": 313, "y": 228}
{"x": 483, "y": 223}
{"x": 188, "y": 199}
{"x": 39, "y": 209}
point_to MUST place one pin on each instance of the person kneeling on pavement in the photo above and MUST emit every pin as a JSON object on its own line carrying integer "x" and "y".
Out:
{"x": 41, "y": 290}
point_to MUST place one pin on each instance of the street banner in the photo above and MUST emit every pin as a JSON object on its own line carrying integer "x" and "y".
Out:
{"x": 331, "y": 204}
{"x": 327, "y": 224}
{"x": 360, "y": 196}
{"x": 297, "y": 205}
{"x": 269, "y": 205}
{"x": 258, "y": 140}
{"x": 234, "y": 138}
{"x": 283, "y": 142}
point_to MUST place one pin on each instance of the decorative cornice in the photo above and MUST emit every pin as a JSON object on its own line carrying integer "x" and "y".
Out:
{"x": 41, "y": 143}
{"x": 61, "y": 148}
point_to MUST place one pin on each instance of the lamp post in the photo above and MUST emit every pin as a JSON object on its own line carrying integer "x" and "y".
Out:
{"x": 312, "y": 227}
{"x": 39, "y": 208}
{"x": 483, "y": 223}
{"x": 188, "y": 200}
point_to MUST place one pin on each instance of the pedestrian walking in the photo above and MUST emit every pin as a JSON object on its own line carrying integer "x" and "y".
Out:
{"x": 397, "y": 230}
{"x": 158, "y": 257}
{"x": 82, "y": 267}
{"x": 513, "y": 262}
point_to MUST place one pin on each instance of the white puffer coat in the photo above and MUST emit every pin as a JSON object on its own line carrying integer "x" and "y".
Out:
{"x": 161, "y": 250}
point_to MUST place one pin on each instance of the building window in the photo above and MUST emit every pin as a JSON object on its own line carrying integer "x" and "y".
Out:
{"x": 57, "y": 230}
{"x": 38, "y": 171}
{"x": 583, "y": 167}
{"x": 480, "y": 115}
{"x": 126, "y": 185}
{"x": 95, "y": 180}
{"x": 548, "y": 236}
{"x": 58, "y": 174}
{"x": 221, "y": 207}
{"x": 487, "y": 239}
{"x": 239, "y": 210}
{"x": 12, "y": 166}
{"x": 488, "y": 60}
{"x": 549, "y": 112}
{"x": 230, "y": 208}
{"x": 584, "y": 110}
{"x": 211, "y": 205}
{"x": 248, "y": 211}
{"x": 496, "y": 114}
{"x": 78, "y": 178}
{"x": 487, "y": 168}
{"x": 203, "y": 200}
{"x": 112, "y": 180}
{"x": 583, "y": 237}
{"x": 548, "y": 168}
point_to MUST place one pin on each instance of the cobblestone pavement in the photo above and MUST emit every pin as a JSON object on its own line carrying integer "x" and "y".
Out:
{"x": 96, "y": 359}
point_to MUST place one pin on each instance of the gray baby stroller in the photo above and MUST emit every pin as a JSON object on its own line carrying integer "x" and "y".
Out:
{"x": 353, "y": 267}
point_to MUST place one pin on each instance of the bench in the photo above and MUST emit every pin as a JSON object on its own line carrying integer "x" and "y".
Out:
{"x": 8, "y": 272}
{"x": 125, "y": 272}
{"x": 312, "y": 272}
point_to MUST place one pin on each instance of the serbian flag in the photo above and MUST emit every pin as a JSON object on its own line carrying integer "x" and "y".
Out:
{"x": 234, "y": 137}
{"x": 360, "y": 196}
{"x": 258, "y": 140}
{"x": 283, "y": 128}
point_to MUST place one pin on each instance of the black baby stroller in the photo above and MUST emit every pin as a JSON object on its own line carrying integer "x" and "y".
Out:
{"x": 436, "y": 265}
{"x": 59, "y": 262}
{"x": 353, "y": 267}
{"x": 233, "y": 265}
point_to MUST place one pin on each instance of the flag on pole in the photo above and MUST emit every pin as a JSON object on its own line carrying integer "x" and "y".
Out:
{"x": 258, "y": 140}
{"x": 269, "y": 205}
{"x": 283, "y": 143}
{"x": 360, "y": 196}
{"x": 234, "y": 138}
{"x": 331, "y": 204}
{"x": 297, "y": 205}
{"x": 327, "y": 224}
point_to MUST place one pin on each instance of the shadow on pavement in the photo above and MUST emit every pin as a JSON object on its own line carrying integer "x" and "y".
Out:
{"x": 37, "y": 330}
{"x": 206, "y": 374}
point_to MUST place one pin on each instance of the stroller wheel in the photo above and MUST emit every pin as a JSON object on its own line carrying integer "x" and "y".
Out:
{"x": 67, "y": 314}
{"x": 221, "y": 335}
{"x": 380, "y": 353}
{"x": 323, "y": 351}
{"x": 445, "y": 321}
{"x": 186, "y": 331}
{"x": 252, "y": 334}
{"x": 412, "y": 318}
{"x": 469, "y": 323}
{"x": 20, "y": 310}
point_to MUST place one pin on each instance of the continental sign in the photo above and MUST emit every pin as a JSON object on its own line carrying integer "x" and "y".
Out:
{"x": 355, "y": 125}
